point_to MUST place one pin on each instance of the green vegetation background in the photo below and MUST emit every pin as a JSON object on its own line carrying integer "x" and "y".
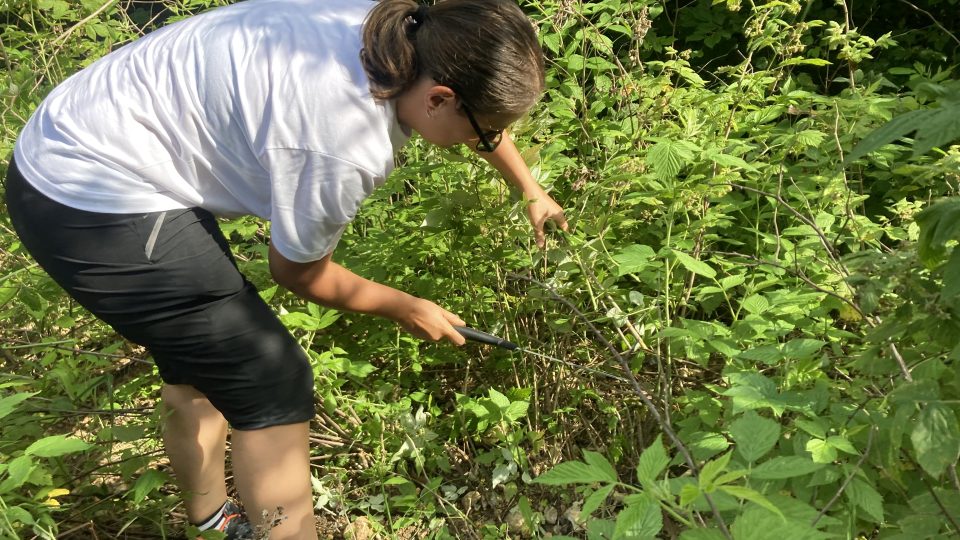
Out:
{"x": 754, "y": 324}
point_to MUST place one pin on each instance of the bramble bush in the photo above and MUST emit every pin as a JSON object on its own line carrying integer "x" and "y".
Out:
{"x": 762, "y": 269}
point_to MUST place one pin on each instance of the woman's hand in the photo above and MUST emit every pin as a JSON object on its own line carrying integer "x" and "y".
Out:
{"x": 428, "y": 321}
{"x": 543, "y": 208}
{"x": 327, "y": 283}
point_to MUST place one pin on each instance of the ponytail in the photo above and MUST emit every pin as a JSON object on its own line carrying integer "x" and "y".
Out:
{"x": 485, "y": 50}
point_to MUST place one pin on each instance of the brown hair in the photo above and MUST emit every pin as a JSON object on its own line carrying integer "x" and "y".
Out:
{"x": 484, "y": 50}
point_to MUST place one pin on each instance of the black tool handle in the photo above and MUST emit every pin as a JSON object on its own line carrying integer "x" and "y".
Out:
{"x": 483, "y": 337}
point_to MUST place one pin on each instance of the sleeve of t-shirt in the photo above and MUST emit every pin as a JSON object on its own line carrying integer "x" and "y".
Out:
{"x": 314, "y": 197}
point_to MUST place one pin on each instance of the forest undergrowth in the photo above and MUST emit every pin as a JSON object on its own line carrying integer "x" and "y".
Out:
{"x": 752, "y": 330}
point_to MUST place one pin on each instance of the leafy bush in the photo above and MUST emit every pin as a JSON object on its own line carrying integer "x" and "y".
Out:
{"x": 762, "y": 270}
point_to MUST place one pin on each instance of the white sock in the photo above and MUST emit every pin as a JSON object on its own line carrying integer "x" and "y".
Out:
{"x": 215, "y": 521}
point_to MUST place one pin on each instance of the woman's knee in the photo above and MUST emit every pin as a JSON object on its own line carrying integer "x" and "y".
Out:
{"x": 185, "y": 399}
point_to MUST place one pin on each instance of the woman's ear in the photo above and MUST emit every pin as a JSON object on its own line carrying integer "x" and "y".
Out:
{"x": 437, "y": 97}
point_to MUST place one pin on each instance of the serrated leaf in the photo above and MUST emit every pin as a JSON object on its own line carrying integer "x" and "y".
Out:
{"x": 842, "y": 444}
{"x": 693, "y": 265}
{"x": 726, "y": 160}
{"x": 711, "y": 470}
{"x": 653, "y": 461}
{"x": 798, "y": 61}
{"x": 9, "y": 403}
{"x": 755, "y": 304}
{"x": 667, "y": 157}
{"x": 633, "y": 259}
{"x": 18, "y": 472}
{"x": 516, "y": 410}
{"x": 56, "y": 445}
{"x": 802, "y": 349}
{"x": 643, "y": 519}
{"x": 936, "y": 438}
{"x": 730, "y": 282}
{"x": 499, "y": 399}
{"x": 939, "y": 224}
{"x": 149, "y": 481}
{"x": 940, "y": 129}
{"x": 951, "y": 277}
{"x": 593, "y": 502}
{"x": 753, "y": 496}
{"x": 821, "y": 451}
{"x": 572, "y": 472}
{"x": 890, "y": 132}
{"x": 780, "y": 467}
{"x": 865, "y": 496}
{"x": 767, "y": 354}
{"x": 600, "y": 463}
{"x": 754, "y": 435}
{"x": 812, "y": 427}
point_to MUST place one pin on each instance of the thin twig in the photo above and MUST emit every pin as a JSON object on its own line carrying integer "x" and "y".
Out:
{"x": 863, "y": 457}
{"x": 934, "y": 20}
{"x": 956, "y": 527}
{"x": 62, "y": 37}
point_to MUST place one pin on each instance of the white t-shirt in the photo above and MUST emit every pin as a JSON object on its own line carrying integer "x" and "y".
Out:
{"x": 261, "y": 108}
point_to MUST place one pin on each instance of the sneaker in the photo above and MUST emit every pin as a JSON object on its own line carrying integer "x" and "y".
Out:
{"x": 235, "y": 524}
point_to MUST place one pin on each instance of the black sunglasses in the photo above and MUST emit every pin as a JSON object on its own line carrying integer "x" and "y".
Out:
{"x": 488, "y": 140}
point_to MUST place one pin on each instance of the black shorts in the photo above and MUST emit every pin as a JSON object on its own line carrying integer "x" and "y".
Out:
{"x": 167, "y": 281}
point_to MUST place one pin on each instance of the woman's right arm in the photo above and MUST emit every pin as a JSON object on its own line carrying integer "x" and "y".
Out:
{"x": 329, "y": 284}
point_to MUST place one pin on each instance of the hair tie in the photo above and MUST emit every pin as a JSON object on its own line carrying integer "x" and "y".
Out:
{"x": 418, "y": 17}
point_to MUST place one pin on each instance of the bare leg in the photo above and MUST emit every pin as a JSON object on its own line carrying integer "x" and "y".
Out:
{"x": 272, "y": 470}
{"x": 195, "y": 436}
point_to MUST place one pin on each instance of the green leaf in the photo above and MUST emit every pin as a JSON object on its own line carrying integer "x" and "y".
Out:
{"x": 755, "y": 304}
{"x": 940, "y": 129}
{"x": 18, "y": 513}
{"x": 56, "y": 445}
{"x": 516, "y": 410}
{"x": 726, "y": 160}
{"x": 573, "y": 472}
{"x": 802, "y": 349}
{"x": 821, "y": 451}
{"x": 10, "y": 403}
{"x": 890, "y": 132}
{"x": 753, "y": 496}
{"x": 936, "y": 438}
{"x": 812, "y": 427}
{"x": 148, "y": 482}
{"x": 593, "y": 502}
{"x": 667, "y": 157}
{"x": 17, "y": 473}
{"x": 842, "y": 444}
{"x": 633, "y": 259}
{"x": 754, "y": 435}
{"x": 862, "y": 494}
{"x": 780, "y": 467}
{"x": 642, "y": 519}
{"x": 693, "y": 265}
{"x": 653, "y": 461}
{"x": 600, "y": 463}
{"x": 7, "y": 293}
{"x": 767, "y": 354}
{"x": 500, "y": 400}
{"x": 939, "y": 224}
{"x": 951, "y": 276}
{"x": 797, "y": 61}
{"x": 711, "y": 470}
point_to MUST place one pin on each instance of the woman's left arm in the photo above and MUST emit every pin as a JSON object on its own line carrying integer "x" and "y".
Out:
{"x": 507, "y": 159}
